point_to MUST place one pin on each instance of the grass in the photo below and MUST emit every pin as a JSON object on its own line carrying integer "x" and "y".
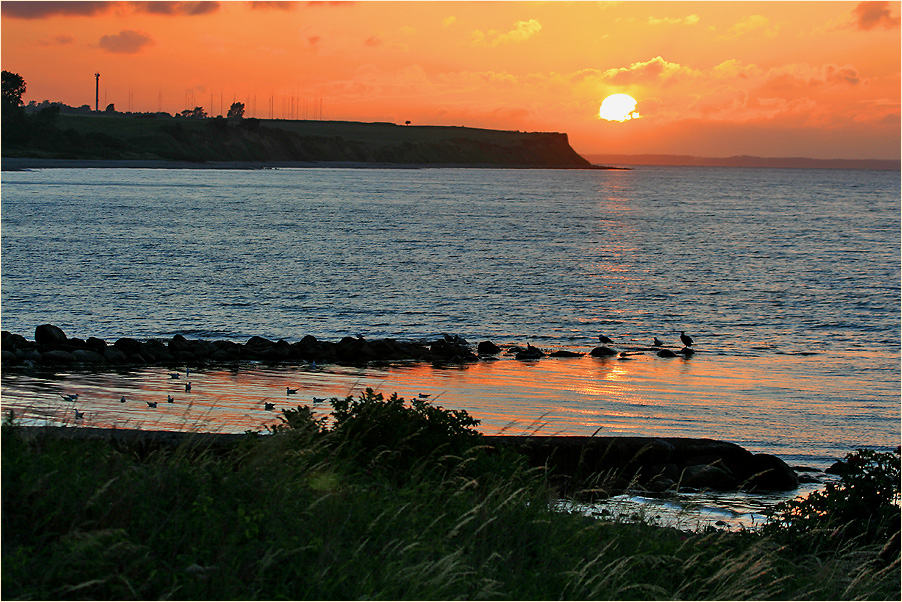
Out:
{"x": 422, "y": 512}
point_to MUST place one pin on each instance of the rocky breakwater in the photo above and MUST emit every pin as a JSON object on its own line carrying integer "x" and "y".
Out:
{"x": 52, "y": 348}
{"x": 601, "y": 466}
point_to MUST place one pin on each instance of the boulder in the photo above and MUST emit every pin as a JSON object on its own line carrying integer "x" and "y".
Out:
{"x": 708, "y": 476}
{"x": 95, "y": 344}
{"x": 57, "y": 357}
{"x": 48, "y": 334}
{"x": 602, "y": 351}
{"x": 87, "y": 356}
{"x": 770, "y": 473}
{"x": 666, "y": 353}
{"x": 129, "y": 346}
{"x": 487, "y": 348}
{"x": 8, "y": 357}
{"x": 114, "y": 355}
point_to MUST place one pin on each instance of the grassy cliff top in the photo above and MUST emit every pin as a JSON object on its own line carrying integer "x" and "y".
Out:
{"x": 161, "y": 137}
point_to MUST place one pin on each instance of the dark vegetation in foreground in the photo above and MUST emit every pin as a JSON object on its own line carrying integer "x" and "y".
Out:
{"x": 397, "y": 500}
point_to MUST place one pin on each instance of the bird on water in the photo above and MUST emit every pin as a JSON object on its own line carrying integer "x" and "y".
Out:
{"x": 151, "y": 404}
{"x": 79, "y": 415}
{"x": 658, "y": 342}
{"x": 605, "y": 340}
{"x": 187, "y": 387}
{"x": 290, "y": 391}
{"x": 268, "y": 406}
{"x": 686, "y": 339}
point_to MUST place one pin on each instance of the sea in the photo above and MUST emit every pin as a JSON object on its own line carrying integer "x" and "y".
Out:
{"x": 788, "y": 280}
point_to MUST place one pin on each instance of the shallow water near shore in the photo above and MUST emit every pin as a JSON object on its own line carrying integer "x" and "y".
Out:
{"x": 787, "y": 279}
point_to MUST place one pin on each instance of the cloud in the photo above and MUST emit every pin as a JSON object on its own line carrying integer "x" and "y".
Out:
{"x": 750, "y": 24}
{"x": 523, "y": 30}
{"x": 689, "y": 20}
{"x": 449, "y": 21}
{"x": 869, "y": 15}
{"x": 286, "y": 6}
{"x": 176, "y": 8}
{"x": 61, "y": 40}
{"x": 372, "y": 42}
{"x": 43, "y": 10}
{"x": 126, "y": 42}
{"x": 654, "y": 69}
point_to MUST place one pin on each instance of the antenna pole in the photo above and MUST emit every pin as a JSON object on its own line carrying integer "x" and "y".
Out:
{"x": 96, "y": 92}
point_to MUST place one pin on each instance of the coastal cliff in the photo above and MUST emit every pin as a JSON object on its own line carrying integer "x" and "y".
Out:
{"x": 163, "y": 138}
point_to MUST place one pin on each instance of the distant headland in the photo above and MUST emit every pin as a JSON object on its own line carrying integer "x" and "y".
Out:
{"x": 161, "y": 140}
{"x": 745, "y": 161}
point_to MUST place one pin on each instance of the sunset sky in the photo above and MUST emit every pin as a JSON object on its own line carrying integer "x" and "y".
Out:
{"x": 776, "y": 79}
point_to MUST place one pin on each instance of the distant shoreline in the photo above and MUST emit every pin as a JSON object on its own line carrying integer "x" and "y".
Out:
{"x": 26, "y": 163}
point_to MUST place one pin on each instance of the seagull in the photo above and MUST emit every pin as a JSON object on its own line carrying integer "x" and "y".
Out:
{"x": 72, "y": 397}
{"x": 78, "y": 414}
{"x": 151, "y": 404}
{"x": 605, "y": 340}
{"x": 187, "y": 387}
{"x": 687, "y": 340}
{"x": 319, "y": 399}
{"x": 657, "y": 342}
{"x": 268, "y": 406}
{"x": 290, "y": 391}
{"x": 173, "y": 375}
{"x": 122, "y": 399}
{"x": 170, "y": 399}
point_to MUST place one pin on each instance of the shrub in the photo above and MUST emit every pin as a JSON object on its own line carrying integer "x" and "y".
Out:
{"x": 862, "y": 505}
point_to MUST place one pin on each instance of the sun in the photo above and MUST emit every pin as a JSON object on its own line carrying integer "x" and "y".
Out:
{"x": 618, "y": 107}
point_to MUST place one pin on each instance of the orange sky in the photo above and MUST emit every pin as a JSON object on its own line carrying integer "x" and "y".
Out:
{"x": 778, "y": 79}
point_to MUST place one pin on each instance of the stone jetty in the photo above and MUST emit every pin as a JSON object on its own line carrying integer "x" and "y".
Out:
{"x": 51, "y": 347}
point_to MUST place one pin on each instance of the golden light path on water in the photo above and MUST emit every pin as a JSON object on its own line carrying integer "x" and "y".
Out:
{"x": 770, "y": 406}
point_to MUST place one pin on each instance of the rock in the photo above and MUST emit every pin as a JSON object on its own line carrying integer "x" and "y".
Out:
{"x": 686, "y": 352}
{"x": 48, "y": 334}
{"x": 8, "y": 357}
{"x": 129, "y": 346}
{"x": 57, "y": 357}
{"x": 114, "y": 355}
{"x": 487, "y": 348}
{"x": 707, "y": 476}
{"x": 602, "y": 351}
{"x": 770, "y": 473}
{"x": 355, "y": 350}
{"x": 87, "y": 356}
{"x": 666, "y": 353}
{"x": 530, "y": 353}
{"x": 96, "y": 345}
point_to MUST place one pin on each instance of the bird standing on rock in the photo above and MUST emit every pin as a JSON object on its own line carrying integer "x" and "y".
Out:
{"x": 686, "y": 339}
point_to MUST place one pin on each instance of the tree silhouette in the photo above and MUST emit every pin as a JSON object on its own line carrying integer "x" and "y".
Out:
{"x": 13, "y": 88}
{"x": 195, "y": 113}
{"x": 236, "y": 111}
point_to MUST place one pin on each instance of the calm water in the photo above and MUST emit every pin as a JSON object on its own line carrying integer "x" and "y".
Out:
{"x": 787, "y": 279}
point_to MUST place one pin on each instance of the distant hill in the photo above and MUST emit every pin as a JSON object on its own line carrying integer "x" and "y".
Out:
{"x": 744, "y": 161}
{"x": 166, "y": 138}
